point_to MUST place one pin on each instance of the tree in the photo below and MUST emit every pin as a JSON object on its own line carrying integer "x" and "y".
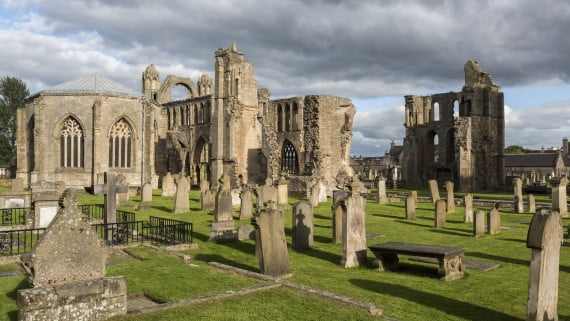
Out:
{"x": 13, "y": 92}
{"x": 515, "y": 149}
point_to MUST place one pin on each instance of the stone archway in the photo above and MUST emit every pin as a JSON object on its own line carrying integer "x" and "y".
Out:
{"x": 165, "y": 91}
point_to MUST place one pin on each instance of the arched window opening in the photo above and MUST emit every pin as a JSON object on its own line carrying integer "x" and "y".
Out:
{"x": 455, "y": 109}
{"x": 289, "y": 159}
{"x": 207, "y": 111}
{"x": 436, "y": 111}
{"x": 288, "y": 117}
{"x": 121, "y": 145}
{"x": 71, "y": 144}
{"x": 195, "y": 109}
{"x": 279, "y": 118}
{"x": 179, "y": 92}
{"x": 295, "y": 116}
{"x": 201, "y": 113}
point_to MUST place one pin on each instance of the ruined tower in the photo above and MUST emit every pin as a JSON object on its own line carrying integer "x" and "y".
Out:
{"x": 457, "y": 136}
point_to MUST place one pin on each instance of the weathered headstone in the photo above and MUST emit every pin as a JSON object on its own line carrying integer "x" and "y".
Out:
{"x": 282, "y": 192}
{"x": 322, "y": 192}
{"x": 45, "y": 200}
{"x": 559, "y": 202}
{"x": 302, "y": 226}
{"x": 468, "y": 208}
{"x": 223, "y": 227}
{"x": 246, "y": 232}
{"x": 204, "y": 186}
{"x": 67, "y": 270}
{"x": 410, "y": 208}
{"x": 110, "y": 190}
{"x": 440, "y": 213}
{"x": 181, "y": 198}
{"x": 17, "y": 185}
{"x": 266, "y": 193}
{"x": 207, "y": 200}
{"x": 354, "y": 229}
{"x": 531, "y": 203}
{"x": 382, "y": 197}
{"x": 168, "y": 186}
{"x": 479, "y": 223}
{"x": 450, "y": 197}
{"x": 122, "y": 196}
{"x": 146, "y": 196}
{"x": 313, "y": 194}
{"x": 517, "y": 186}
{"x": 236, "y": 197}
{"x": 544, "y": 238}
{"x": 338, "y": 212}
{"x": 493, "y": 221}
{"x": 433, "y": 190}
{"x": 270, "y": 243}
{"x": 414, "y": 194}
{"x": 246, "y": 209}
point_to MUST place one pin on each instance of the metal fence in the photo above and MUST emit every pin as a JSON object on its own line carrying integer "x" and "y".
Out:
{"x": 13, "y": 216}
{"x": 125, "y": 216}
{"x": 168, "y": 231}
{"x": 92, "y": 210}
{"x": 18, "y": 241}
{"x": 122, "y": 233}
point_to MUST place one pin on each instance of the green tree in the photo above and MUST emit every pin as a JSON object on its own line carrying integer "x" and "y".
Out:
{"x": 516, "y": 149}
{"x": 13, "y": 91}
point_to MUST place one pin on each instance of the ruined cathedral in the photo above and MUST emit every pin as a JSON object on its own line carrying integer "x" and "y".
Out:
{"x": 78, "y": 130}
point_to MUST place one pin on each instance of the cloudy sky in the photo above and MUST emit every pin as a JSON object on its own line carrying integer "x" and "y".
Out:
{"x": 371, "y": 51}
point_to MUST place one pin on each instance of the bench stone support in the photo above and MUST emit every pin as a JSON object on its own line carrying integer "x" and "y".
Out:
{"x": 386, "y": 262}
{"x": 451, "y": 268}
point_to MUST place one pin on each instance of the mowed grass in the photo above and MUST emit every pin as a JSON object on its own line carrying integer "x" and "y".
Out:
{"x": 412, "y": 293}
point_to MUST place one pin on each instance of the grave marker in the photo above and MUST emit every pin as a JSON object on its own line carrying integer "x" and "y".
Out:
{"x": 517, "y": 185}
{"x": 468, "y": 208}
{"x": 223, "y": 227}
{"x": 246, "y": 209}
{"x": 110, "y": 189}
{"x": 531, "y": 203}
{"x": 493, "y": 221}
{"x": 450, "y": 197}
{"x": 270, "y": 243}
{"x": 181, "y": 198}
{"x": 168, "y": 187}
{"x": 302, "y": 226}
{"x": 479, "y": 224}
{"x": 440, "y": 212}
{"x": 559, "y": 202}
{"x": 433, "y": 190}
{"x": 338, "y": 212}
{"x": 410, "y": 208}
{"x": 354, "y": 229}
{"x": 382, "y": 197}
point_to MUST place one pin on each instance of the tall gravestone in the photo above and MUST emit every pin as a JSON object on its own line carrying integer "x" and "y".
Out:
{"x": 109, "y": 189}
{"x": 122, "y": 195}
{"x": 302, "y": 226}
{"x": 382, "y": 197}
{"x": 531, "y": 203}
{"x": 313, "y": 194}
{"x": 468, "y": 208}
{"x": 338, "y": 212}
{"x": 410, "y": 208}
{"x": 67, "y": 270}
{"x": 223, "y": 227}
{"x": 519, "y": 205}
{"x": 354, "y": 229}
{"x": 433, "y": 190}
{"x": 479, "y": 224}
{"x": 146, "y": 196}
{"x": 168, "y": 186}
{"x": 493, "y": 221}
{"x": 544, "y": 238}
{"x": 450, "y": 197}
{"x": 270, "y": 243}
{"x": 559, "y": 202}
{"x": 440, "y": 212}
{"x": 246, "y": 208}
{"x": 181, "y": 197}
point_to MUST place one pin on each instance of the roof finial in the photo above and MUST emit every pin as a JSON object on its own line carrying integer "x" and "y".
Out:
{"x": 234, "y": 46}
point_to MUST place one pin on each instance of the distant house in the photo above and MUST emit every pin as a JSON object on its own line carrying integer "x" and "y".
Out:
{"x": 537, "y": 167}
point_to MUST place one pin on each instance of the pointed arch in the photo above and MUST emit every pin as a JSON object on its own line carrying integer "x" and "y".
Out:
{"x": 71, "y": 143}
{"x": 289, "y": 158}
{"x": 121, "y": 144}
{"x": 279, "y": 118}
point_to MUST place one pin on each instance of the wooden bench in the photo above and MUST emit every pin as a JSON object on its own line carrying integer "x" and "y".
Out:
{"x": 449, "y": 258}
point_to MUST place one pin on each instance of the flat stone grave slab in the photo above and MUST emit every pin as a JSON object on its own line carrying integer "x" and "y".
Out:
{"x": 118, "y": 256}
{"x": 510, "y": 228}
{"x": 9, "y": 273}
{"x": 138, "y": 302}
{"x": 469, "y": 264}
{"x": 374, "y": 235}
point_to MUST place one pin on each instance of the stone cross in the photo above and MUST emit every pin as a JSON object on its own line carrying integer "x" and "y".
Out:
{"x": 354, "y": 232}
{"x": 450, "y": 197}
{"x": 559, "y": 202}
{"x": 433, "y": 189}
{"x": 110, "y": 189}
{"x": 544, "y": 238}
{"x": 493, "y": 221}
{"x": 468, "y": 208}
{"x": 270, "y": 242}
{"x": 382, "y": 197}
{"x": 479, "y": 224}
{"x": 302, "y": 227}
{"x": 517, "y": 184}
{"x": 440, "y": 211}
{"x": 531, "y": 203}
{"x": 410, "y": 207}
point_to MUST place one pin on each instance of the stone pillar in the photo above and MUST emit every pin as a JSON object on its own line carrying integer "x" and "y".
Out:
{"x": 181, "y": 198}
{"x": 410, "y": 208}
{"x": 302, "y": 226}
{"x": 338, "y": 212}
{"x": 544, "y": 238}
{"x": 450, "y": 197}
{"x": 270, "y": 243}
{"x": 479, "y": 224}
{"x": 354, "y": 231}
{"x": 493, "y": 221}
{"x": 246, "y": 209}
{"x": 468, "y": 205}
{"x": 531, "y": 203}
{"x": 440, "y": 211}
{"x": 382, "y": 197}
{"x": 518, "y": 206}
{"x": 559, "y": 202}
{"x": 434, "y": 191}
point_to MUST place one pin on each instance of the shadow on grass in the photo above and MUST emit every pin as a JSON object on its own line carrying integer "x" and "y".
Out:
{"x": 322, "y": 217}
{"x": 449, "y": 232}
{"x": 412, "y": 223}
{"x": 386, "y": 215}
{"x": 323, "y": 255}
{"x": 223, "y": 260}
{"x": 322, "y": 239}
{"x": 322, "y": 226}
{"x": 162, "y": 208}
{"x": 447, "y": 305}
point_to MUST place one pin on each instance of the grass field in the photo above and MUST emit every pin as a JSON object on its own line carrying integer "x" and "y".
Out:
{"x": 412, "y": 293}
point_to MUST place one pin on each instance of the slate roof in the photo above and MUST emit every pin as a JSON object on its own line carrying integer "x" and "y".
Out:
{"x": 532, "y": 160}
{"x": 92, "y": 84}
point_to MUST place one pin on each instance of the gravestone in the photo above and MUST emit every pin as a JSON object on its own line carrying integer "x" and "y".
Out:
{"x": 354, "y": 229}
{"x": 382, "y": 197}
{"x": 410, "y": 208}
{"x": 468, "y": 208}
{"x": 17, "y": 185}
{"x": 322, "y": 192}
{"x": 168, "y": 186}
{"x": 440, "y": 212}
{"x": 246, "y": 232}
{"x": 146, "y": 197}
{"x": 450, "y": 197}
{"x": 414, "y": 194}
{"x": 109, "y": 189}
{"x": 181, "y": 198}
{"x": 493, "y": 221}
{"x": 544, "y": 238}
{"x": 531, "y": 203}
{"x": 266, "y": 193}
{"x": 270, "y": 243}
{"x": 204, "y": 186}
{"x": 519, "y": 205}
{"x": 223, "y": 227}
{"x": 207, "y": 200}
{"x": 338, "y": 212}
{"x": 433, "y": 190}
{"x": 313, "y": 194}
{"x": 479, "y": 224}
{"x": 246, "y": 209}
{"x": 282, "y": 192}
{"x": 67, "y": 271}
{"x": 559, "y": 202}
{"x": 45, "y": 202}
{"x": 122, "y": 196}
{"x": 236, "y": 197}
{"x": 302, "y": 226}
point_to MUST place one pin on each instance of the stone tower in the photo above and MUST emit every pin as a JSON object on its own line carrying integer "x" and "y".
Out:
{"x": 150, "y": 82}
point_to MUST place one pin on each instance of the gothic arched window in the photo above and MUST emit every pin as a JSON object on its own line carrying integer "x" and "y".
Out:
{"x": 289, "y": 159}
{"x": 71, "y": 144}
{"x": 121, "y": 144}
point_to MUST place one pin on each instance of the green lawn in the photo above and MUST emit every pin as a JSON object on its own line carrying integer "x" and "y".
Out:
{"x": 412, "y": 293}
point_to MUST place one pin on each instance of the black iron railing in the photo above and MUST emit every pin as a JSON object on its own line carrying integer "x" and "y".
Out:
{"x": 93, "y": 210}
{"x": 18, "y": 241}
{"x": 125, "y": 216}
{"x": 121, "y": 233}
{"x": 169, "y": 231}
{"x": 13, "y": 216}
